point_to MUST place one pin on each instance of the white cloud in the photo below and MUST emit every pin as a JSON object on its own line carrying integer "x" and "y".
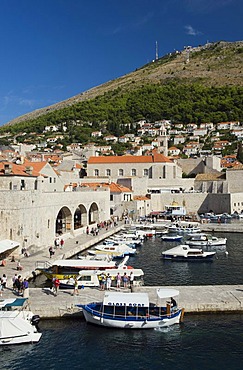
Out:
{"x": 192, "y": 31}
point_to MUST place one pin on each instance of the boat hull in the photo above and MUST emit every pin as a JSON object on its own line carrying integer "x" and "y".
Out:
{"x": 29, "y": 338}
{"x": 130, "y": 323}
{"x": 201, "y": 243}
{"x": 186, "y": 259}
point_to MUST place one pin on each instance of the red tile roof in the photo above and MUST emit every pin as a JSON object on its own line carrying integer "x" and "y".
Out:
{"x": 155, "y": 158}
{"x": 20, "y": 169}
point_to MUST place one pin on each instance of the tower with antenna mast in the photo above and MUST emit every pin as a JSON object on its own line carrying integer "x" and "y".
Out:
{"x": 156, "y": 51}
{"x": 187, "y": 49}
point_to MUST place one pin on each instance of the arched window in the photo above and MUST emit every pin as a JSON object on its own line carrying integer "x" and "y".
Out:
{"x": 108, "y": 172}
{"x": 133, "y": 172}
{"x": 96, "y": 172}
{"x": 120, "y": 172}
{"x": 145, "y": 172}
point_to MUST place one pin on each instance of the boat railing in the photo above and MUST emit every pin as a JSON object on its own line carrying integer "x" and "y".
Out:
{"x": 130, "y": 315}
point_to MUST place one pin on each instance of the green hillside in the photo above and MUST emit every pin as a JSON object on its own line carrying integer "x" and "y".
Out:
{"x": 207, "y": 88}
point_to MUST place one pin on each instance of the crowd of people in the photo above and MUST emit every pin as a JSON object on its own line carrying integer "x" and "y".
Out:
{"x": 19, "y": 286}
{"x": 124, "y": 281}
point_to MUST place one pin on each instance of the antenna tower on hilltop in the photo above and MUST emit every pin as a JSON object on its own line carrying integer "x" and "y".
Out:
{"x": 156, "y": 51}
{"x": 188, "y": 49}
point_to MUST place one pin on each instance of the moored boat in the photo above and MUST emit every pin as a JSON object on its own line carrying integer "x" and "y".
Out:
{"x": 171, "y": 238}
{"x": 64, "y": 269}
{"x": 203, "y": 239}
{"x": 184, "y": 229}
{"x": 18, "y": 324}
{"x": 118, "y": 251}
{"x": 89, "y": 278}
{"x": 184, "y": 253}
{"x": 133, "y": 310}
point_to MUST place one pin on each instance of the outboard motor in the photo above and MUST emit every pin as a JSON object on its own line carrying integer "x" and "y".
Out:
{"x": 35, "y": 321}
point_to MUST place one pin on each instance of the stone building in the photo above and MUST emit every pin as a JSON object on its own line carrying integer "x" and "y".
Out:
{"x": 35, "y": 208}
{"x": 155, "y": 166}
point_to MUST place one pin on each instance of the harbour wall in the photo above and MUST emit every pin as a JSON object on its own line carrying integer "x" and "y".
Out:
{"x": 194, "y": 299}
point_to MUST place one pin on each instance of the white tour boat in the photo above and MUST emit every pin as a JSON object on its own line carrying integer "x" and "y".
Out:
{"x": 91, "y": 278}
{"x": 184, "y": 253}
{"x": 133, "y": 310}
{"x": 17, "y": 324}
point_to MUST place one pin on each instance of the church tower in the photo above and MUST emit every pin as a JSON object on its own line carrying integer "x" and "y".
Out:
{"x": 162, "y": 141}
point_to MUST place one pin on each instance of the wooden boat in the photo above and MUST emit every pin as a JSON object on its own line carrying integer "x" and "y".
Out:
{"x": 65, "y": 269}
{"x": 133, "y": 310}
{"x": 18, "y": 324}
{"x": 184, "y": 253}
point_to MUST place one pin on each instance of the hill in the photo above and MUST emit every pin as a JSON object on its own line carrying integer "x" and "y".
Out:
{"x": 214, "y": 65}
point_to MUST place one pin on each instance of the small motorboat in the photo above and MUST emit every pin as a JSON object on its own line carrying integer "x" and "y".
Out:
{"x": 171, "y": 238}
{"x": 205, "y": 240}
{"x": 17, "y": 323}
{"x": 184, "y": 253}
{"x": 118, "y": 251}
{"x": 134, "y": 310}
{"x": 183, "y": 229}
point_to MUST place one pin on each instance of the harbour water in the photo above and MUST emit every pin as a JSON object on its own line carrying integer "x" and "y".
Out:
{"x": 201, "y": 342}
{"x": 226, "y": 268}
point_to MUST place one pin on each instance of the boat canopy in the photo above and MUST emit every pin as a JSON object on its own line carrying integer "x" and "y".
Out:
{"x": 12, "y": 302}
{"x": 167, "y": 293}
{"x": 126, "y": 299}
{"x": 6, "y": 245}
{"x": 83, "y": 263}
{"x": 12, "y": 326}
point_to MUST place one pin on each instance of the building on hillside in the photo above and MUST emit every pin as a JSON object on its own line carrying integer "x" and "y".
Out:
{"x": 173, "y": 151}
{"x": 155, "y": 166}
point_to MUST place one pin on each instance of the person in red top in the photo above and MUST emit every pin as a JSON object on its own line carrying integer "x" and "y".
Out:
{"x": 61, "y": 243}
{"x": 56, "y": 284}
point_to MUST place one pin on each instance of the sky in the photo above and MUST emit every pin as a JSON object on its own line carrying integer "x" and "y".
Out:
{"x": 52, "y": 50}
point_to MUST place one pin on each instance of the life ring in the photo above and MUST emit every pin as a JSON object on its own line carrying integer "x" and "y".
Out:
{"x": 3, "y": 262}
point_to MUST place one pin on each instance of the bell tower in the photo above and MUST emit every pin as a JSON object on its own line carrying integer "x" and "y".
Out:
{"x": 162, "y": 141}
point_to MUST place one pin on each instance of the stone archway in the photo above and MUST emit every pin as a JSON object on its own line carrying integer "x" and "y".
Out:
{"x": 64, "y": 221}
{"x": 93, "y": 214}
{"x": 80, "y": 217}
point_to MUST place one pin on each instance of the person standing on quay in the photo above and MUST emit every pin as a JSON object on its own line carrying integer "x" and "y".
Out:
{"x": 25, "y": 288}
{"x": 75, "y": 292}
{"x": 118, "y": 280}
{"x": 61, "y": 243}
{"x": 56, "y": 284}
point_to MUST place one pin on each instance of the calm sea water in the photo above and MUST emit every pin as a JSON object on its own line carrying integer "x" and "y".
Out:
{"x": 226, "y": 269}
{"x": 201, "y": 342}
